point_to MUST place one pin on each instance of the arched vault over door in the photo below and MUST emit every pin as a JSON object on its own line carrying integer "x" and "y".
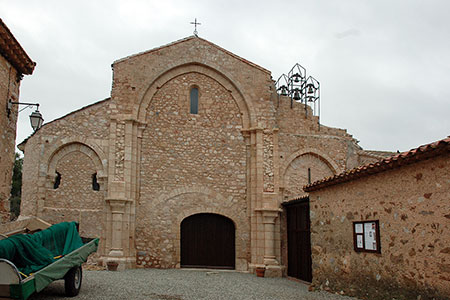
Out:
{"x": 304, "y": 167}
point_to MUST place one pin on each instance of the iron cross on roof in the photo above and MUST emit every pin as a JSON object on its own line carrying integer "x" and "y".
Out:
{"x": 195, "y": 28}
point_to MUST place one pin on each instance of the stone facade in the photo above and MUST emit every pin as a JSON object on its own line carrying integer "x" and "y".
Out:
{"x": 14, "y": 62}
{"x": 9, "y": 88}
{"x": 75, "y": 148}
{"x": 241, "y": 156}
{"x": 411, "y": 202}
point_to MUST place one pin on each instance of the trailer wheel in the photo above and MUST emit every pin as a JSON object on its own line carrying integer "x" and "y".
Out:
{"x": 72, "y": 281}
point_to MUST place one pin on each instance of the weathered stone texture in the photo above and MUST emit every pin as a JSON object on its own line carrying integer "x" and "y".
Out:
{"x": 73, "y": 146}
{"x": 304, "y": 144}
{"x": 268, "y": 163}
{"x": 297, "y": 174}
{"x": 75, "y": 198}
{"x": 134, "y": 76}
{"x": 198, "y": 152}
{"x": 31, "y": 179}
{"x": 412, "y": 205}
{"x": 91, "y": 121}
{"x": 120, "y": 151}
{"x": 87, "y": 126}
{"x": 239, "y": 156}
{"x": 368, "y": 156}
{"x": 9, "y": 90}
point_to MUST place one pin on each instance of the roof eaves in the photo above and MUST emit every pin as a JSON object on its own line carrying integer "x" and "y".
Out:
{"x": 153, "y": 49}
{"x": 296, "y": 200}
{"x": 237, "y": 56}
{"x": 405, "y": 158}
{"x": 11, "y": 49}
{"x": 22, "y": 144}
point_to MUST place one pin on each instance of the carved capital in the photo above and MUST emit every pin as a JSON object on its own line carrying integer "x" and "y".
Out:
{"x": 269, "y": 215}
{"x": 117, "y": 205}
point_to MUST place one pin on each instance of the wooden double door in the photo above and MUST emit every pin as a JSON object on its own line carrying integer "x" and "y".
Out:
{"x": 207, "y": 241}
{"x": 299, "y": 240}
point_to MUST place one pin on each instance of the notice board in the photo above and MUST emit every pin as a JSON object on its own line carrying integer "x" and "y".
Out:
{"x": 366, "y": 236}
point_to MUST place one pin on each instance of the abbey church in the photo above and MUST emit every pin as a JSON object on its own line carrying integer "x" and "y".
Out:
{"x": 190, "y": 162}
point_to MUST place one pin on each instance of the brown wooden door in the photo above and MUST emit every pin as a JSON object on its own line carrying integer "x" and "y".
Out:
{"x": 207, "y": 241}
{"x": 299, "y": 241}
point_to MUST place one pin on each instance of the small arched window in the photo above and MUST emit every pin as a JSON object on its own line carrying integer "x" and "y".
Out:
{"x": 95, "y": 184}
{"x": 194, "y": 101}
{"x": 57, "y": 180}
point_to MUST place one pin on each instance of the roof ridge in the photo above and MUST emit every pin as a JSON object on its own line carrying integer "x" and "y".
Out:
{"x": 187, "y": 39}
{"x": 236, "y": 56}
{"x": 154, "y": 49}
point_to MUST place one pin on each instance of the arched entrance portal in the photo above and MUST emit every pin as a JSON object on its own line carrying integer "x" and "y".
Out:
{"x": 207, "y": 241}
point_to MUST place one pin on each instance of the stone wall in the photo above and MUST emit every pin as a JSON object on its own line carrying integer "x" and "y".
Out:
{"x": 31, "y": 179}
{"x": 74, "y": 146}
{"x": 75, "y": 199}
{"x": 190, "y": 163}
{"x": 244, "y": 153}
{"x": 87, "y": 126}
{"x": 305, "y": 169}
{"x": 137, "y": 82}
{"x": 304, "y": 144}
{"x": 137, "y": 77}
{"x": 9, "y": 90}
{"x": 412, "y": 206}
{"x": 90, "y": 122}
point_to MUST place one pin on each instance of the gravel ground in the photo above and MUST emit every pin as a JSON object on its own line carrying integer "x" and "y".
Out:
{"x": 176, "y": 284}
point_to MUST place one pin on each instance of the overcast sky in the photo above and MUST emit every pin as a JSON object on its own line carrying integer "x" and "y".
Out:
{"x": 383, "y": 65}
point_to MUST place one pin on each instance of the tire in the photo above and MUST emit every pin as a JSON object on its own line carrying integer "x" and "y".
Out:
{"x": 72, "y": 281}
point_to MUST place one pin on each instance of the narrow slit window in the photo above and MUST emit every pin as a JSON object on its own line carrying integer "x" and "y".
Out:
{"x": 57, "y": 180}
{"x": 309, "y": 175}
{"x": 95, "y": 184}
{"x": 194, "y": 100}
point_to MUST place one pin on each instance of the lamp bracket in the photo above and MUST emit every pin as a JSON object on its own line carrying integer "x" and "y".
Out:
{"x": 35, "y": 117}
{"x": 11, "y": 103}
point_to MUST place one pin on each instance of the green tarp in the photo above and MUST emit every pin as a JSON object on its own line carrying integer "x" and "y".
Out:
{"x": 58, "y": 269}
{"x": 32, "y": 252}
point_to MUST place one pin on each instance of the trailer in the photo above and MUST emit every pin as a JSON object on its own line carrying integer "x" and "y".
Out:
{"x": 29, "y": 262}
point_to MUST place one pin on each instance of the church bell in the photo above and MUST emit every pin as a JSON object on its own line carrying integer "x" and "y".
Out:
{"x": 297, "y": 95}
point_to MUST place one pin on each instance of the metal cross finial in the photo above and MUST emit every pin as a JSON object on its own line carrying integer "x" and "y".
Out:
{"x": 195, "y": 28}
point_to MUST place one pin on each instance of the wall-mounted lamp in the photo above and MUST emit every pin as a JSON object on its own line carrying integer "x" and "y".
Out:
{"x": 36, "y": 119}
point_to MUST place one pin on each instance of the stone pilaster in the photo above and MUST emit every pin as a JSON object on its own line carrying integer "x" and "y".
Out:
{"x": 264, "y": 208}
{"x": 117, "y": 207}
{"x": 271, "y": 263}
{"x": 123, "y": 190}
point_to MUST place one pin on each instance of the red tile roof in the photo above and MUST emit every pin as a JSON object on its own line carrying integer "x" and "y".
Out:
{"x": 13, "y": 52}
{"x": 405, "y": 158}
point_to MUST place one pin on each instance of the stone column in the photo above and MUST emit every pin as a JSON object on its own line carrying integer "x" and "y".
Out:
{"x": 269, "y": 242}
{"x": 269, "y": 216}
{"x": 117, "y": 211}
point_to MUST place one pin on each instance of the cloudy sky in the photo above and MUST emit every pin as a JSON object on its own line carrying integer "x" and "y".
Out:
{"x": 384, "y": 65}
